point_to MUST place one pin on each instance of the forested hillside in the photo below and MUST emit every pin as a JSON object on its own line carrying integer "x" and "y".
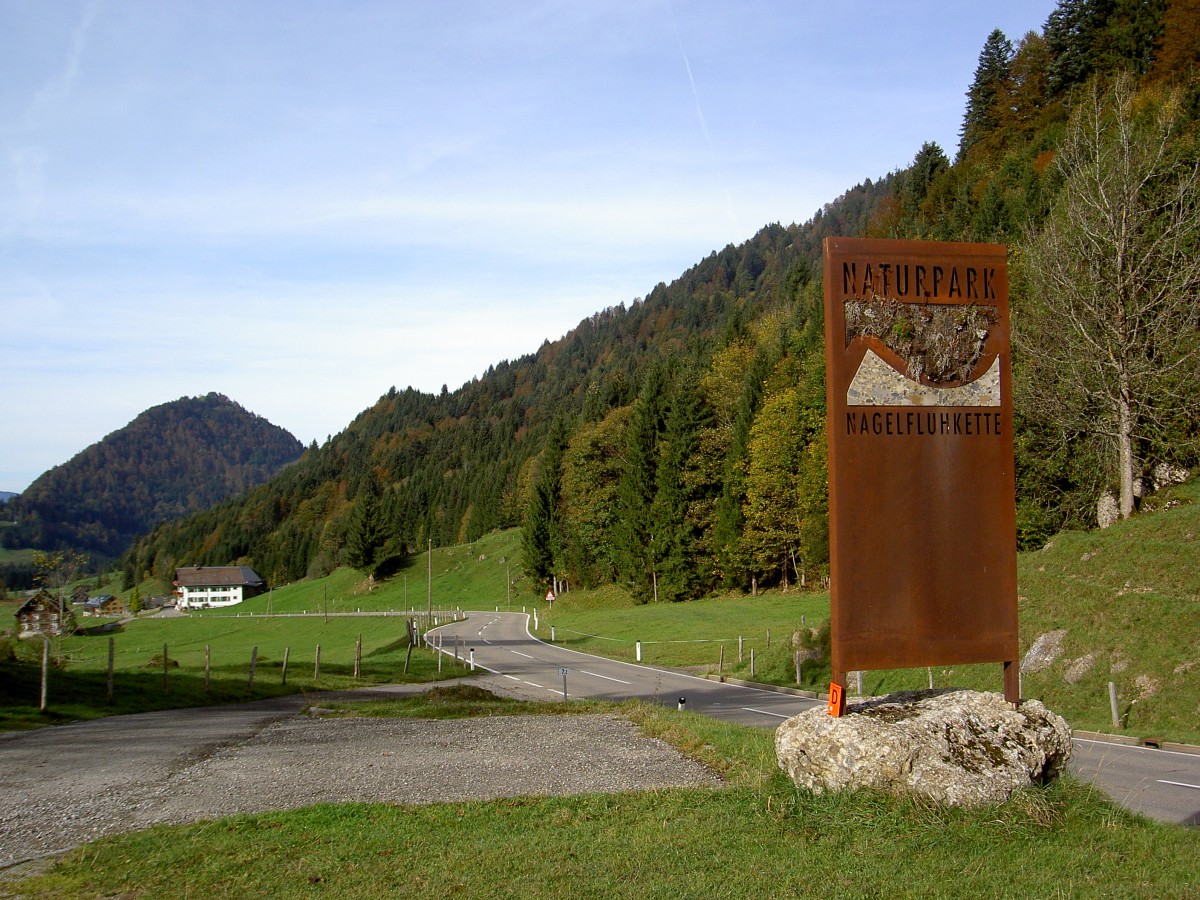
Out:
{"x": 676, "y": 444}
{"x": 172, "y": 460}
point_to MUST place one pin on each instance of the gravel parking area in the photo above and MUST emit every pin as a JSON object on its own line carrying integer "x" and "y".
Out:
{"x": 61, "y": 787}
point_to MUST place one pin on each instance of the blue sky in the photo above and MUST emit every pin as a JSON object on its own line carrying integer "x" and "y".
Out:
{"x": 301, "y": 203}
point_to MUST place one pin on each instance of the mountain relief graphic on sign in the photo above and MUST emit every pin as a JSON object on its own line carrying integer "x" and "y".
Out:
{"x": 921, "y": 354}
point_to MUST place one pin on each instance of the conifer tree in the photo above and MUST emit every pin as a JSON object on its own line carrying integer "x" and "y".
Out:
{"x": 671, "y": 522}
{"x": 541, "y": 534}
{"x": 365, "y": 536}
{"x": 980, "y": 117}
{"x": 635, "y": 544}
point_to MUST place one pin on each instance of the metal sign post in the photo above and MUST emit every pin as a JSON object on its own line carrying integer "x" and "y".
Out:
{"x": 922, "y": 509}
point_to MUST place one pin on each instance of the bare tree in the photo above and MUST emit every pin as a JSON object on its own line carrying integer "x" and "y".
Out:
{"x": 1109, "y": 329}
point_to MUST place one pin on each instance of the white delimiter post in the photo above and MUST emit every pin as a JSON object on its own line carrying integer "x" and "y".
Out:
{"x": 639, "y": 651}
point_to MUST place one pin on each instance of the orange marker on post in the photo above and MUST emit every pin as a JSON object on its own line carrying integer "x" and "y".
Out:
{"x": 837, "y": 699}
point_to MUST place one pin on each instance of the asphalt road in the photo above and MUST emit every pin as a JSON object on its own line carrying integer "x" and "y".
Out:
{"x": 1162, "y": 784}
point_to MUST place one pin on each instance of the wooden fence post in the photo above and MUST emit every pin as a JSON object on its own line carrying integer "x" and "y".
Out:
{"x": 410, "y": 629}
{"x": 317, "y": 663}
{"x": 207, "y": 666}
{"x": 45, "y": 670}
{"x": 166, "y": 683}
{"x": 253, "y": 664}
{"x": 283, "y": 673}
{"x": 111, "y": 654}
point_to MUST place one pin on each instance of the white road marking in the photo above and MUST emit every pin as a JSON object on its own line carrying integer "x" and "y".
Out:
{"x": 511, "y": 677}
{"x": 519, "y": 653}
{"x": 1135, "y": 747}
{"x": 763, "y": 712}
{"x": 605, "y": 677}
{"x": 1195, "y": 787}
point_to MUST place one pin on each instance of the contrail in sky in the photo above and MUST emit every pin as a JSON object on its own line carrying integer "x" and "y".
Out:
{"x": 687, "y": 64}
{"x": 58, "y": 88}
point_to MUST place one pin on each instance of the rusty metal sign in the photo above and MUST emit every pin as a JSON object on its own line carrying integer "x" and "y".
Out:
{"x": 922, "y": 509}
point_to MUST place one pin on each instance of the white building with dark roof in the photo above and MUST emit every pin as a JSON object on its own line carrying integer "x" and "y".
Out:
{"x": 204, "y": 587}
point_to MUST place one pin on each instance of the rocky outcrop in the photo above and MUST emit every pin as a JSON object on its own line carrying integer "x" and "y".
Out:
{"x": 1045, "y": 650}
{"x": 959, "y": 748}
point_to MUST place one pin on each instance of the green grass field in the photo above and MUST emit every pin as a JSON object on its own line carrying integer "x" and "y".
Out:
{"x": 758, "y": 837}
{"x": 77, "y": 682}
{"x": 15, "y": 556}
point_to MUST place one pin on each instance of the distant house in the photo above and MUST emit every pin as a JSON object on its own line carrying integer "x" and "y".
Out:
{"x": 40, "y": 614}
{"x": 103, "y": 605}
{"x": 201, "y": 587}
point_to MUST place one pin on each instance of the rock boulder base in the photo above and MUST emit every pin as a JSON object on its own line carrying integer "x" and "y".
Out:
{"x": 956, "y": 747}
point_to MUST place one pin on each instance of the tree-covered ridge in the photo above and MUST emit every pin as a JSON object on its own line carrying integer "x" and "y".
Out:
{"x": 677, "y": 444}
{"x": 172, "y": 460}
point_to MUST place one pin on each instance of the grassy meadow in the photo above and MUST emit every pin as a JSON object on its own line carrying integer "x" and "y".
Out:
{"x": 758, "y": 837}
